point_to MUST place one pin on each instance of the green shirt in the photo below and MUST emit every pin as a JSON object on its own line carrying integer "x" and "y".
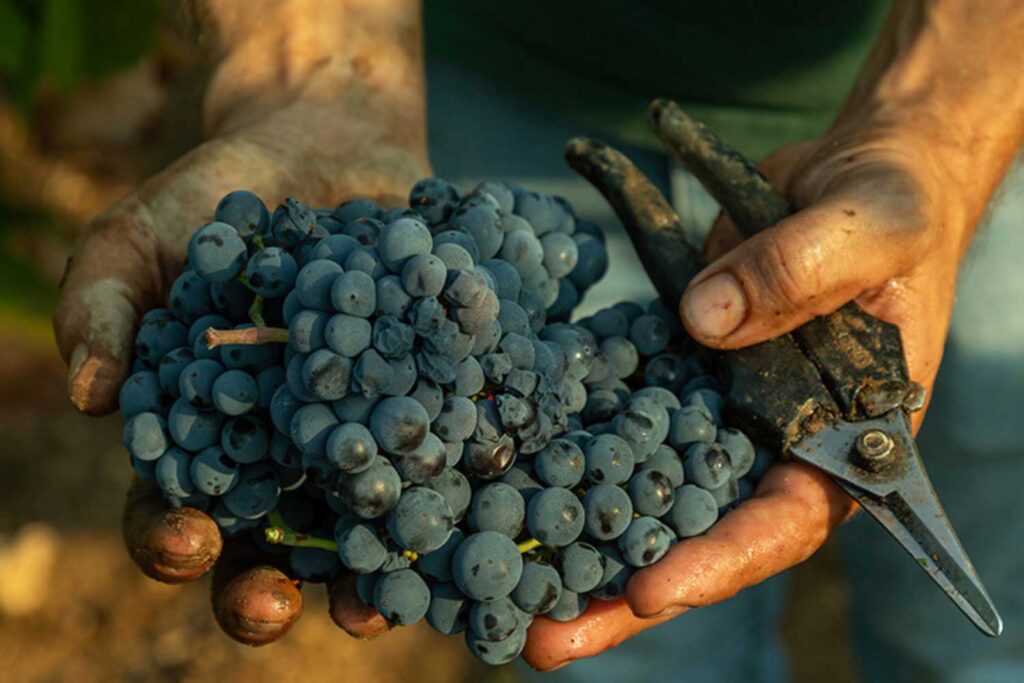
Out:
{"x": 760, "y": 73}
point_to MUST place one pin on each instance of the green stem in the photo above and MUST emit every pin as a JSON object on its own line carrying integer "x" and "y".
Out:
{"x": 528, "y": 545}
{"x": 256, "y": 312}
{"x": 278, "y": 533}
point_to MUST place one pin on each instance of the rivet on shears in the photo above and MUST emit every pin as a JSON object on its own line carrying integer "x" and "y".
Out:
{"x": 874, "y": 446}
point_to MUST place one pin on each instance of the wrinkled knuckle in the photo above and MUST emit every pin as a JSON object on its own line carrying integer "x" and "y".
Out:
{"x": 787, "y": 267}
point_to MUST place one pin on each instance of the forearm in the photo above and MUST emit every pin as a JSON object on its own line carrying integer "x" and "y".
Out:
{"x": 948, "y": 74}
{"x": 363, "y": 57}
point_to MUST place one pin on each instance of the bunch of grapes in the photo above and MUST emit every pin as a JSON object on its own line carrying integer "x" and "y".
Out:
{"x": 398, "y": 394}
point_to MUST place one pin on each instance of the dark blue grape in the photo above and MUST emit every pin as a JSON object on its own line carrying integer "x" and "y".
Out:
{"x": 244, "y": 211}
{"x": 351, "y": 447}
{"x": 609, "y": 460}
{"x": 291, "y": 223}
{"x": 666, "y": 370}
{"x": 645, "y": 541}
{"x": 145, "y": 436}
{"x": 190, "y": 296}
{"x": 372, "y": 492}
{"x": 608, "y": 511}
{"x": 424, "y": 463}
{"x": 424, "y": 275}
{"x": 354, "y": 408}
{"x": 494, "y": 621}
{"x": 158, "y": 338}
{"x": 707, "y": 465}
{"x": 327, "y": 375}
{"x": 216, "y": 252}
{"x": 172, "y": 473}
{"x": 359, "y": 547}
{"x": 666, "y": 461}
{"x": 570, "y": 605}
{"x": 401, "y": 597}
{"x": 591, "y": 263}
{"x": 354, "y": 292}
{"x": 615, "y": 575}
{"x": 311, "y": 425}
{"x": 245, "y": 439}
{"x": 560, "y": 463}
{"x": 347, "y": 335}
{"x": 232, "y": 299}
{"x": 580, "y": 566}
{"x": 392, "y": 299}
{"x": 255, "y": 494}
{"x": 307, "y": 329}
{"x": 233, "y": 392}
{"x": 740, "y": 449}
{"x": 434, "y": 199}
{"x": 608, "y": 323}
{"x": 402, "y": 239}
{"x": 555, "y": 517}
{"x": 193, "y": 429}
{"x": 480, "y": 220}
{"x": 213, "y": 472}
{"x": 437, "y": 367}
{"x": 448, "y": 613}
{"x": 497, "y": 507}
{"x": 283, "y": 406}
{"x": 539, "y": 588}
{"x": 335, "y": 248}
{"x": 267, "y": 382}
{"x": 469, "y": 377}
{"x": 400, "y": 424}
{"x": 560, "y": 254}
{"x": 455, "y": 489}
{"x": 355, "y": 209}
{"x": 314, "y": 282}
{"x": 437, "y": 565}
{"x": 459, "y": 238}
{"x": 513, "y": 318}
{"x": 404, "y": 375}
{"x": 691, "y": 425}
{"x": 523, "y": 251}
{"x": 650, "y": 334}
{"x": 487, "y": 566}
{"x": 694, "y": 511}
{"x": 651, "y": 493}
{"x": 271, "y": 272}
{"x": 421, "y": 521}
{"x": 170, "y": 369}
{"x": 706, "y": 399}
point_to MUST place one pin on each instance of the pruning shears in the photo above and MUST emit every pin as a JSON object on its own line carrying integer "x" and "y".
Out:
{"x": 835, "y": 393}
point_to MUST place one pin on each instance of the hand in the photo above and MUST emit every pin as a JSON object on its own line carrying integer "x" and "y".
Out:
{"x": 876, "y": 225}
{"x": 124, "y": 265}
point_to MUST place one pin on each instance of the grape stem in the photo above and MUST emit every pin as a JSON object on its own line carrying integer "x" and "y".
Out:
{"x": 278, "y": 533}
{"x": 246, "y": 336}
{"x": 528, "y": 545}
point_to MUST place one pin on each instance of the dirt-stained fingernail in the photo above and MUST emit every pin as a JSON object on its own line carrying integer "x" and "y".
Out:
{"x": 715, "y": 307}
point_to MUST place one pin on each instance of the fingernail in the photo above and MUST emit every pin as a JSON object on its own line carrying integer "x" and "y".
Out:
{"x": 715, "y": 307}
{"x": 78, "y": 357}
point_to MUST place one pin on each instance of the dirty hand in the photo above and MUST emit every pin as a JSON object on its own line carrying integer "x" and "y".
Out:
{"x": 322, "y": 130}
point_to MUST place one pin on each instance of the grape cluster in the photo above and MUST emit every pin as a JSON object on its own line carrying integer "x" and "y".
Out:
{"x": 399, "y": 394}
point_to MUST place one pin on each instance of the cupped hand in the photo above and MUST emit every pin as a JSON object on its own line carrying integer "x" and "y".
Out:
{"x": 124, "y": 264}
{"x": 878, "y": 222}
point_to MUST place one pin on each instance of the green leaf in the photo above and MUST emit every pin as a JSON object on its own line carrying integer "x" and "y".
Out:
{"x": 13, "y": 38}
{"x": 60, "y": 42}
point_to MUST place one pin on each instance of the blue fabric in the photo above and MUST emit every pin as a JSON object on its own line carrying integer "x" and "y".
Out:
{"x": 905, "y": 629}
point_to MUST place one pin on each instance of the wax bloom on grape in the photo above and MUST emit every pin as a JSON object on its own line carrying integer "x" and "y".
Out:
{"x": 399, "y": 394}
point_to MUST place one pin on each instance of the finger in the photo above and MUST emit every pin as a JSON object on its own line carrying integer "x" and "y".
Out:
{"x": 779, "y": 167}
{"x": 109, "y": 279}
{"x": 173, "y": 545}
{"x": 350, "y": 614}
{"x": 551, "y": 644}
{"x": 809, "y": 264}
{"x": 254, "y": 603}
{"x": 793, "y": 511}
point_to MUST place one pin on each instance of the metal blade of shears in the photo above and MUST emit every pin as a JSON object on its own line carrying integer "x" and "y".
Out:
{"x": 876, "y": 461}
